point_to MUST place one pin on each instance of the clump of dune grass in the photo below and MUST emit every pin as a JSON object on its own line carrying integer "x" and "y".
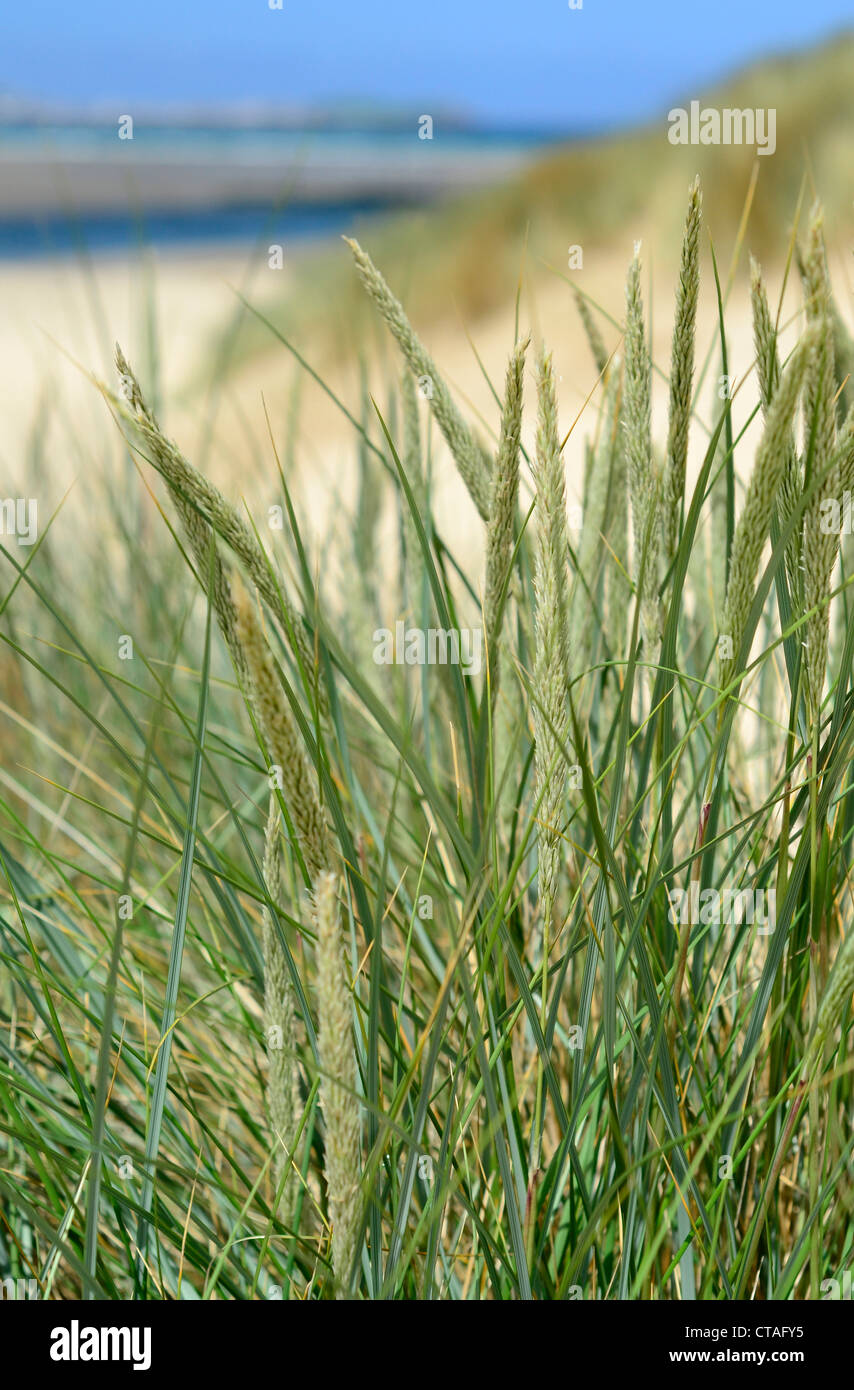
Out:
{"x": 509, "y": 1071}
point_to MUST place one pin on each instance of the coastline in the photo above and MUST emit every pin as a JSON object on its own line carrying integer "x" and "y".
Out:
{"x": 117, "y": 176}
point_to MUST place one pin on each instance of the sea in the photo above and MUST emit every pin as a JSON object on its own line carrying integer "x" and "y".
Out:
{"x": 219, "y": 187}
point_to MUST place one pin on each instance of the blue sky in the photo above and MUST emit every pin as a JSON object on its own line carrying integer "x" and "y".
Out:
{"x": 531, "y": 61}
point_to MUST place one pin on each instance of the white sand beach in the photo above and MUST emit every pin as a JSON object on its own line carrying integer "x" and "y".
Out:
{"x": 60, "y": 316}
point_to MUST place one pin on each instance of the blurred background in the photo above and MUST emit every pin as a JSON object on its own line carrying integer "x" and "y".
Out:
{"x": 161, "y": 165}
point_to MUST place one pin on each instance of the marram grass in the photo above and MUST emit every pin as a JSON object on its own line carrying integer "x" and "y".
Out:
{"x": 280, "y": 1022}
{"x": 287, "y": 759}
{"x": 562, "y": 977}
{"x": 604, "y": 514}
{"x": 820, "y": 544}
{"x": 754, "y": 520}
{"x": 502, "y": 519}
{"x": 338, "y": 1084}
{"x": 681, "y": 374}
{"x": 644, "y": 480}
{"x": 768, "y": 377}
{"x": 469, "y": 455}
{"x": 195, "y": 496}
{"x": 552, "y": 643}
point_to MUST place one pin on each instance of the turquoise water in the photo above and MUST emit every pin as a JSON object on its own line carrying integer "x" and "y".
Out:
{"x": 259, "y": 143}
{"x": 32, "y": 237}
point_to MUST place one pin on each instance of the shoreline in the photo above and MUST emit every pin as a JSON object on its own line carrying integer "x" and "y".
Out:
{"x": 41, "y": 183}
{"x": 226, "y": 232}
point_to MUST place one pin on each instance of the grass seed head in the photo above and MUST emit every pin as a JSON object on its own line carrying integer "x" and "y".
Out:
{"x": 472, "y": 460}
{"x": 338, "y": 1083}
{"x": 682, "y": 373}
{"x": 552, "y": 647}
